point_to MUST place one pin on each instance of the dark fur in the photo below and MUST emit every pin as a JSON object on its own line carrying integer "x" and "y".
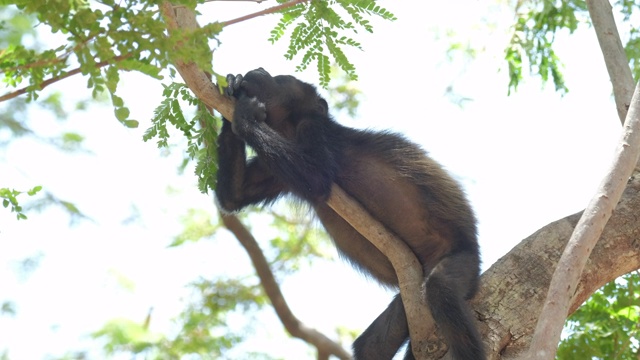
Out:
{"x": 301, "y": 150}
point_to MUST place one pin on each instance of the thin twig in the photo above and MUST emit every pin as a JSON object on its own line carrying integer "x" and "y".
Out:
{"x": 57, "y": 59}
{"x": 55, "y": 79}
{"x": 263, "y": 12}
{"x": 294, "y": 326}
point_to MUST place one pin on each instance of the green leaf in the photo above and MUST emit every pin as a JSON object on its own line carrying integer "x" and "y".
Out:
{"x": 34, "y": 190}
{"x": 317, "y": 24}
{"x": 8, "y": 308}
{"x": 112, "y": 79}
{"x": 122, "y": 113}
{"x": 132, "y": 124}
{"x": 117, "y": 101}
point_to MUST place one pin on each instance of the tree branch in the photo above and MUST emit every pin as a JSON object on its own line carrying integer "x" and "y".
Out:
{"x": 55, "y": 79}
{"x": 196, "y": 79}
{"x": 565, "y": 279}
{"x": 513, "y": 290}
{"x": 255, "y": 1}
{"x": 406, "y": 265}
{"x": 294, "y": 326}
{"x": 263, "y": 12}
{"x": 615, "y": 57}
{"x": 567, "y": 274}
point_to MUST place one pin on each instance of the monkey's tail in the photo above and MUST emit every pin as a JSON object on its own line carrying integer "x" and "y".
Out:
{"x": 446, "y": 289}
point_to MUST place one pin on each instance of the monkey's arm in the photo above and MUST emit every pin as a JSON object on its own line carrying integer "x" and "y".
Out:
{"x": 305, "y": 163}
{"x": 239, "y": 183}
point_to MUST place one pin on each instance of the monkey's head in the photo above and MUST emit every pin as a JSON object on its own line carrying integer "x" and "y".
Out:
{"x": 285, "y": 97}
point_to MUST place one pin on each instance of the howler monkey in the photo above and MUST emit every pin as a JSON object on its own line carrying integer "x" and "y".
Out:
{"x": 302, "y": 151}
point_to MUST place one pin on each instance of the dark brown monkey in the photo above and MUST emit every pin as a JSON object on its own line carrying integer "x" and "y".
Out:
{"x": 302, "y": 151}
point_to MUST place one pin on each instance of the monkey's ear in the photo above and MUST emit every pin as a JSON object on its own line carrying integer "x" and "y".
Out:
{"x": 323, "y": 106}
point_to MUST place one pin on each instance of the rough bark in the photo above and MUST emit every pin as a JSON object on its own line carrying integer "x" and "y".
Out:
{"x": 513, "y": 290}
{"x": 197, "y": 80}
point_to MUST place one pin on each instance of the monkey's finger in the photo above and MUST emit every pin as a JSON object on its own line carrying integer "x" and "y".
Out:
{"x": 238, "y": 82}
{"x": 229, "y": 89}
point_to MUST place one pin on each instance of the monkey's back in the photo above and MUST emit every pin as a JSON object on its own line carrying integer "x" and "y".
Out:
{"x": 408, "y": 192}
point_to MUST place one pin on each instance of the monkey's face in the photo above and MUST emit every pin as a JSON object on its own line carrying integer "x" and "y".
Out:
{"x": 279, "y": 91}
{"x": 258, "y": 83}
{"x": 287, "y": 100}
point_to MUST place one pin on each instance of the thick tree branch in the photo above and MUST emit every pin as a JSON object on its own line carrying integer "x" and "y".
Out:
{"x": 614, "y": 56}
{"x": 294, "y": 326}
{"x": 565, "y": 280}
{"x": 400, "y": 256}
{"x": 197, "y": 80}
{"x": 514, "y": 289}
{"x": 588, "y": 230}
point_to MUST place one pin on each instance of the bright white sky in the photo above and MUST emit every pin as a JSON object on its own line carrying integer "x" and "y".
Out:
{"x": 524, "y": 160}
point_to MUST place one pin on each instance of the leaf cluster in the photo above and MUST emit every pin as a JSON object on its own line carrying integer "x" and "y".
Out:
{"x": 538, "y": 22}
{"x": 102, "y": 39}
{"x": 533, "y": 37}
{"x": 16, "y": 121}
{"x": 10, "y": 198}
{"x": 197, "y": 224}
{"x": 45, "y": 200}
{"x": 321, "y": 32}
{"x": 297, "y": 242}
{"x": 200, "y": 131}
{"x": 607, "y": 326}
{"x": 343, "y": 95}
{"x": 202, "y": 328}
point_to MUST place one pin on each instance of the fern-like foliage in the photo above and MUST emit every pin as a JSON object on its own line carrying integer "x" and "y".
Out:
{"x": 101, "y": 40}
{"x": 322, "y": 30}
{"x": 533, "y": 38}
{"x": 537, "y": 23}
{"x": 200, "y": 131}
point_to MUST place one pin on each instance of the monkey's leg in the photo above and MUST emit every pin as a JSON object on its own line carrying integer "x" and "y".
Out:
{"x": 385, "y": 335}
{"x": 451, "y": 281}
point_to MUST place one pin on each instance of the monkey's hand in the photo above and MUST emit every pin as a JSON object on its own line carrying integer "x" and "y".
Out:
{"x": 249, "y": 111}
{"x": 233, "y": 84}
